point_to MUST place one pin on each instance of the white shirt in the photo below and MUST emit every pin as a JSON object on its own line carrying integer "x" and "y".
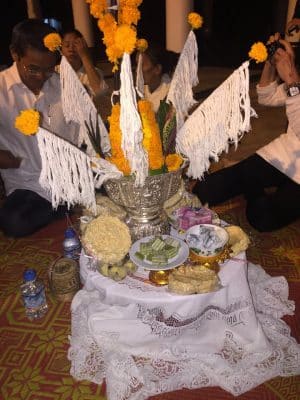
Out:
{"x": 15, "y": 97}
{"x": 283, "y": 152}
{"x": 158, "y": 94}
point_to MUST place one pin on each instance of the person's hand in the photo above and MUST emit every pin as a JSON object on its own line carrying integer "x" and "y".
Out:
{"x": 81, "y": 47}
{"x": 284, "y": 59}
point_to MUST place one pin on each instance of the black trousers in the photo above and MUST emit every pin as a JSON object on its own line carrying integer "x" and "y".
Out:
{"x": 266, "y": 210}
{"x": 24, "y": 212}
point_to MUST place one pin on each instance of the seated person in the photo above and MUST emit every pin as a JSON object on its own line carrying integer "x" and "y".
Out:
{"x": 76, "y": 51}
{"x": 275, "y": 166}
{"x": 30, "y": 83}
{"x": 157, "y": 66}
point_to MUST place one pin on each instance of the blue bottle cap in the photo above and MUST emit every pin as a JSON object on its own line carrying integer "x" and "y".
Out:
{"x": 29, "y": 275}
{"x": 70, "y": 233}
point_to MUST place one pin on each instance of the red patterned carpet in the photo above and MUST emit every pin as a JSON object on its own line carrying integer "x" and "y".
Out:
{"x": 33, "y": 355}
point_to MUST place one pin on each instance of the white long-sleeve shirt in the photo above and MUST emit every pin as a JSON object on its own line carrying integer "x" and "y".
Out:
{"x": 283, "y": 152}
{"x": 15, "y": 97}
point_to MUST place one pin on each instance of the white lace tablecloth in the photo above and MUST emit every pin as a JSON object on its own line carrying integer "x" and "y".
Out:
{"x": 144, "y": 340}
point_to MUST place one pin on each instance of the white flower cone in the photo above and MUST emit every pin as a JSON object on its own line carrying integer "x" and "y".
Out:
{"x": 131, "y": 125}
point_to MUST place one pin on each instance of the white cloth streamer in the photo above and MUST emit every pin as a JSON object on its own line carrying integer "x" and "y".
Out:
{"x": 139, "y": 85}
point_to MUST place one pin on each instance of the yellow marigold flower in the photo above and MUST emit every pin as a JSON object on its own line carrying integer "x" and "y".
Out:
{"x": 258, "y": 52}
{"x": 113, "y": 53}
{"x": 173, "y": 162}
{"x": 129, "y": 15}
{"x": 115, "y": 136}
{"x": 141, "y": 45}
{"x": 130, "y": 3}
{"x": 125, "y": 38}
{"x": 27, "y": 122}
{"x": 52, "y": 41}
{"x": 97, "y": 8}
{"x": 151, "y": 140}
{"x": 107, "y": 21}
{"x": 195, "y": 20}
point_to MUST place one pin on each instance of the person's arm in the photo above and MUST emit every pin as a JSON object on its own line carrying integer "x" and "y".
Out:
{"x": 95, "y": 80}
{"x": 8, "y": 160}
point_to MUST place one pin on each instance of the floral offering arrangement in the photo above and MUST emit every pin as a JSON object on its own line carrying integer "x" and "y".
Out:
{"x": 138, "y": 143}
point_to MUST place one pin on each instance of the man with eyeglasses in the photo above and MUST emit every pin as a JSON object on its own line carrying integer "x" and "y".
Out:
{"x": 30, "y": 83}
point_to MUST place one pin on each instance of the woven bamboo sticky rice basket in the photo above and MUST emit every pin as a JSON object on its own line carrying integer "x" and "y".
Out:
{"x": 64, "y": 278}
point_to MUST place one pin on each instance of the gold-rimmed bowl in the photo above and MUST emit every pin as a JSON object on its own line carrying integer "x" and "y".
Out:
{"x": 208, "y": 244}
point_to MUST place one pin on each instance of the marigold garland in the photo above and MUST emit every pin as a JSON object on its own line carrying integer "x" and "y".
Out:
{"x": 115, "y": 136}
{"x": 173, "y": 162}
{"x": 27, "y": 122}
{"x": 151, "y": 140}
{"x": 195, "y": 20}
{"x": 118, "y": 36}
{"x": 258, "y": 52}
{"x": 52, "y": 41}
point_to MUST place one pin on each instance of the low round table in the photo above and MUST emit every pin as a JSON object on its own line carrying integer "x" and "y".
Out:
{"x": 144, "y": 340}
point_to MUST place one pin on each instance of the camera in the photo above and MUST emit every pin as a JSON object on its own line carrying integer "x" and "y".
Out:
{"x": 272, "y": 47}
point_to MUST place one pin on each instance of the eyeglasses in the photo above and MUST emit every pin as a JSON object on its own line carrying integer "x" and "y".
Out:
{"x": 36, "y": 71}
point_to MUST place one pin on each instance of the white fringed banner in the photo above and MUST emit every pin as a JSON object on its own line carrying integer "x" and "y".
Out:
{"x": 66, "y": 171}
{"x": 222, "y": 118}
{"x": 185, "y": 77}
{"x": 79, "y": 107}
{"x": 131, "y": 125}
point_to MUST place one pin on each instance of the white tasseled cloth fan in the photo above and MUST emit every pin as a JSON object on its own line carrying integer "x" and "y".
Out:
{"x": 184, "y": 79}
{"x": 66, "y": 171}
{"x": 79, "y": 107}
{"x": 222, "y": 118}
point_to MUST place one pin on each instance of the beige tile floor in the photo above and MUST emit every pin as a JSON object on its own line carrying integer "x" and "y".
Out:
{"x": 270, "y": 123}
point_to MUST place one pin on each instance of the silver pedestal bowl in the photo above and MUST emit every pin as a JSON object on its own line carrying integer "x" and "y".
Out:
{"x": 144, "y": 205}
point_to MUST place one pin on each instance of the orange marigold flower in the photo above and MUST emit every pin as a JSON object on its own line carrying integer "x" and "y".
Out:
{"x": 97, "y": 8}
{"x": 129, "y": 15}
{"x": 151, "y": 139}
{"x": 141, "y": 45}
{"x": 173, "y": 162}
{"x": 195, "y": 20}
{"x": 258, "y": 52}
{"x": 52, "y": 41}
{"x": 115, "y": 135}
{"x": 125, "y": 38}
{"x": 27, "y": 122}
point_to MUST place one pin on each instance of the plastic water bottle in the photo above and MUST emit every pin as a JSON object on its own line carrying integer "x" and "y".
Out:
{"x": 33, "y": 293}
{"x": 71, "y": 244}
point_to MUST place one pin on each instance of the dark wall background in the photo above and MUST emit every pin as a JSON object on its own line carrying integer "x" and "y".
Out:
{"x": 230, "y": 26}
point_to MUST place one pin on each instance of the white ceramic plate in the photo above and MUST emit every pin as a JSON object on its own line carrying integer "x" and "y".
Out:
{"x": 173, "y": 262}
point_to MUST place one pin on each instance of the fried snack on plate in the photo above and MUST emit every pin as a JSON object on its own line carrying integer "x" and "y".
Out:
{"x": 192, "y": 279}
{"x": 238, "y": 240}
